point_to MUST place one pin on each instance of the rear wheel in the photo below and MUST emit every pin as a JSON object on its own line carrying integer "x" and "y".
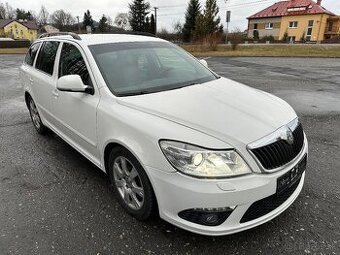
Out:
{"x": 131, "y": 184}
{"x": 39, "y": 126}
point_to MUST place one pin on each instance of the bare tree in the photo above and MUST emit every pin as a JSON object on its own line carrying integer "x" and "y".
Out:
{"x": 109, "y": 20}
{"x": 43, "y": 16}
{"x": 6, "y": 11}
{"x": 122, "y": 21}
{"x": 10, "y": 12}
{"x": 62, "y": 19}
{"x": 2, "y": 11}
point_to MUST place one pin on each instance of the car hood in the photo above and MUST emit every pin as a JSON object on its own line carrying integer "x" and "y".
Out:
{"x": 224, "y": 109}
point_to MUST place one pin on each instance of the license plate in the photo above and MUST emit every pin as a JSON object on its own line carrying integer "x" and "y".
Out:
{"x": 290, "y": 178}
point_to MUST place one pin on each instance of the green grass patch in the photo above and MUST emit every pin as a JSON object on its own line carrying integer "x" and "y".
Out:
{"x": 322, "y": 51}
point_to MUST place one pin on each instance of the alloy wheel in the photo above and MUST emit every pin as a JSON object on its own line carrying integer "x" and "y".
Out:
{"x": 128, "y": 183}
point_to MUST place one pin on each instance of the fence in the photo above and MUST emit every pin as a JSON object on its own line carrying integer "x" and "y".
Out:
{"x": 15, "y": 44}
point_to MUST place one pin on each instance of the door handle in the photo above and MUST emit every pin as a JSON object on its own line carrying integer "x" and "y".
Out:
{"x": 55, "y": 93}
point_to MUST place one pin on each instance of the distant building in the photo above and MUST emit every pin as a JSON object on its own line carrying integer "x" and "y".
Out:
{"x": 50, "y": 29}
{"x": 18, "y": 29}
{"x": 295, "y": 20}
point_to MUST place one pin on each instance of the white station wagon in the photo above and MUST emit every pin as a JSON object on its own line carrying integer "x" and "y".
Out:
{"x": 206, "y": 153}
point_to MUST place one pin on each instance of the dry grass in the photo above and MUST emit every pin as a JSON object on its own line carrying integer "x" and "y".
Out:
{"x": 322, "y": 51}
{"x": 13, "y": 51}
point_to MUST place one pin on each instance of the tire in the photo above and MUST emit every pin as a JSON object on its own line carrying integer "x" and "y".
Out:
{"x": 35, "y": 117}
{"x": 131, "y": 184}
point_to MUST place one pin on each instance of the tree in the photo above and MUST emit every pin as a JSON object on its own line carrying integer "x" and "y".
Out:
{"x": 22, "y": 14}
{"x": 88, "y": 21}
{"x": 178, "y": 30}
{"x": 152, "y": 24}
{"x": 6, "y": 11}
{"x": 139, "y": 9}
{"x": 207, "y": 25}
{"x": 103, "y": 25}
{"x": 62, "y": 20}
{"x": 211, "y": 20}
{"x": 193, "y": 10}
{"x": 122, "y": 21}
{"x": 42, "y": 16}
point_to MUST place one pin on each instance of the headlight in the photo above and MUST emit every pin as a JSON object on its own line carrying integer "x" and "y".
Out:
{"x": 196, "y": 161}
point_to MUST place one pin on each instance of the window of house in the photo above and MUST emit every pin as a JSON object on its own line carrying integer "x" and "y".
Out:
{"x": 293, "y": 24}
{"x": 269, "y": 25}
{"x": 72, "y": 62}
{"x": 32, "y": 52}
{"x": 255, "y": 26}
{"x": 310, "y": 23}
{"x": 330, "y": 26}
{"x": 46, "y": 57}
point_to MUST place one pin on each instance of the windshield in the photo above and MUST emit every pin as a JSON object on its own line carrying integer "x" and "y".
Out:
{"x": 146, "y": 67}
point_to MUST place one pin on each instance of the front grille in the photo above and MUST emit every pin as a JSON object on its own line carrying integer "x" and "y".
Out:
{"x": 268, "y": 204}
{"x": 280, "y": 152}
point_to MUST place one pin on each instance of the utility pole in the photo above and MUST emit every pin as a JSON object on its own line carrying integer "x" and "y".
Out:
{"x": 156, "y": 8}
{"x": 78, "y": 25}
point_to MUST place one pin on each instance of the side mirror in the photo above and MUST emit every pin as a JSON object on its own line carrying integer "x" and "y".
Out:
{"x": 204, "y": 62}
{"x": 73, "y": 83}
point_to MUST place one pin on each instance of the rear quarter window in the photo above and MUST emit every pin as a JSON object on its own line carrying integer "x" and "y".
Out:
{"x": 32, "y": 52}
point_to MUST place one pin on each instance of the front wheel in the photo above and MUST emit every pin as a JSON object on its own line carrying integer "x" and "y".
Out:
{"x": 131, "y": 184}
{"x": 39, "y": 126}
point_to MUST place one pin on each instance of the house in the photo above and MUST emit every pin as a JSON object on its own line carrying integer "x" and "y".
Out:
{"x": 18, "y": 29}
{"x": 294, "y": 20}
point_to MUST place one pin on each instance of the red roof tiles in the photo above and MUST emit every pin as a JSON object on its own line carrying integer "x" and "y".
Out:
{"x": 291, "y": 7}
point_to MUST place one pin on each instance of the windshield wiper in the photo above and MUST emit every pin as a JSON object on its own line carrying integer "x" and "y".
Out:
{"x": 135, "y": 93}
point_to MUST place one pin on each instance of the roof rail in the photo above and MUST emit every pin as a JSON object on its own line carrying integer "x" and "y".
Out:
{"x": 130, "y": 33}
{"x": 74, "y": 35}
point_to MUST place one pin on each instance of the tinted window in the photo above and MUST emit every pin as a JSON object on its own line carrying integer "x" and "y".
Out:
{"x": 72, "y": 62}
{"x": 46, "y": 57}
{"x": 30, "y": 56}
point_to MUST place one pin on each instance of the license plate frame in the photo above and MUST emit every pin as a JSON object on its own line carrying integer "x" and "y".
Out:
{"x": 287, "y": 180}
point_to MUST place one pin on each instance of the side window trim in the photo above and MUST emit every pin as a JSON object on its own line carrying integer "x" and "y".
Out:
{"x": 83, "y": 56}
{"x": 55, "y": 59}
{"x": 36, "y": 55}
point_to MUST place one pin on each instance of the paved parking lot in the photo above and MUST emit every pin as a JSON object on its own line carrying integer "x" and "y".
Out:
{"x": 54, "y": 201}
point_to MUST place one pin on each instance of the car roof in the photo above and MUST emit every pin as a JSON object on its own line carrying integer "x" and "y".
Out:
{"x": 92, "y": 39}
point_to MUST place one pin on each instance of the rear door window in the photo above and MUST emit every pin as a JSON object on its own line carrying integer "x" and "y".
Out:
{"x": 32, "y": 52}
{"x": 72, "y": 62}
{"x": 46, "y": 57}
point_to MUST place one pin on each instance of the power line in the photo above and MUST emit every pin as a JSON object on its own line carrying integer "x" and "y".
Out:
{"x": 249, "y": 4}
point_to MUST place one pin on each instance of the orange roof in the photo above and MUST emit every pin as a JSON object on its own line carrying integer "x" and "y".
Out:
{"x": 291, "y": 7}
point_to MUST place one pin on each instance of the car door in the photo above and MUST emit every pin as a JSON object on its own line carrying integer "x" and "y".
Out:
{"x": 76, "y": 112}
{"x": 25, "y": 69}
{"x": 42, "y": 79}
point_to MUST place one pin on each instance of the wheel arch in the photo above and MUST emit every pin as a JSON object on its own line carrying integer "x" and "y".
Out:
{"x": 27, "y": 96}
{"x": 114, "y": 144}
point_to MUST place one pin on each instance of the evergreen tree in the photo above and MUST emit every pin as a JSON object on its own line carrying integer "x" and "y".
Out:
{"x": 139, "y": 9}
{"x": 103, "y": 24}
{"x": 193, "y": 10}
{"x": 88, "y": 21}
{"x": 22, "y": 14}
{"x": 147, "y": 27}
{"x": 211, "y": 20}
{"x": 152, "y": 24}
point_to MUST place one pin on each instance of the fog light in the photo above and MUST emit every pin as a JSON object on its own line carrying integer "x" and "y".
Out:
{"x": 207, "y": 216}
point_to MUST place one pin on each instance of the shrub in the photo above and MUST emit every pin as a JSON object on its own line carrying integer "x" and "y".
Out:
{"x": 235, "y": 38}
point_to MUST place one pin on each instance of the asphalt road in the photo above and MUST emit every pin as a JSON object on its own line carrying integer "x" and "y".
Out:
{"x": 54, "y": 201}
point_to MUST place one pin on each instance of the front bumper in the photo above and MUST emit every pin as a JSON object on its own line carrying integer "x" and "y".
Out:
{"x": 176, "y": 192}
